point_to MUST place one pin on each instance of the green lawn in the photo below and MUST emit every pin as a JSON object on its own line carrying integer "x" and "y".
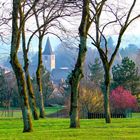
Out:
{"x": 17, "y": 111}
{"x": 135, "y": 115}
{"x": 50, "y": 110}
{"x": 58, "y": 129}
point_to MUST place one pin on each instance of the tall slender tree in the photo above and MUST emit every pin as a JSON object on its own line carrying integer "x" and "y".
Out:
{"x": 123, "y": 21}
{"x": 77, "y": 73}
{"x": 26, "y": 65}
{"x": 52, "y": 11}
{"x": 15, "y": 43}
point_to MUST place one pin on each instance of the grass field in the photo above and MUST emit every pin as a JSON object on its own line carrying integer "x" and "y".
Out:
{"x": 17, "y": 112}
{"x": 58, "y": 129}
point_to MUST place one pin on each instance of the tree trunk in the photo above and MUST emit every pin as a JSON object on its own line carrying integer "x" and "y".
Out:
{"x": 106, "y": 97}
{"x": 27, "y": 75}
{"x": 32, "y": 96}
{"x": 39, "y": 81}
{"x": 23, "y": 93}
{"x": 77, "y": 73}
{"x": 18, "y": 69}
{"x": 74, "y": 115}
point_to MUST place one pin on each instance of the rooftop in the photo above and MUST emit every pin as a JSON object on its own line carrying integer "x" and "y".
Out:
{"x": 48, "y": 48}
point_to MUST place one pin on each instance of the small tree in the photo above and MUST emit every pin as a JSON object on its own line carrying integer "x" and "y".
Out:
{"x": 122, "y": 99}
{"x": 126, "y": 75}
{"x": 91, "y": 98}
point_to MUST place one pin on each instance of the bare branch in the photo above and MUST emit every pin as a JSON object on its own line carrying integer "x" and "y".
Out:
{"x": 123, "y": 29}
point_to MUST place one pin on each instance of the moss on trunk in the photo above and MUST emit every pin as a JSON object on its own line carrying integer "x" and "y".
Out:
{"x": 39, "y": 81}
{"x": 26, "y": 70}
{"x": 32, "y": 96}
{"x": 18, "y": 69}
{"x": 77, "y": 73}
{"x": 23, "y": 93}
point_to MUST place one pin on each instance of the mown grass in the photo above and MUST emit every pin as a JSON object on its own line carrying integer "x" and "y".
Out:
{"x": 17, "y": 112}
{"x": 58, "y": 129}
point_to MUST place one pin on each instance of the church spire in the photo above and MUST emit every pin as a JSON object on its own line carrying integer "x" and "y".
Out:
{"x": 48, "y": 57}
{"x": 48, "y": 48}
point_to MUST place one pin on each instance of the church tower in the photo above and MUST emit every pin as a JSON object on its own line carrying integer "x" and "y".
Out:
{"x": 48, "y": 56}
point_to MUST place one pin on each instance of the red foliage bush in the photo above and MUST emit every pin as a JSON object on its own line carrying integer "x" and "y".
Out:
{"x": 122, "y": 99}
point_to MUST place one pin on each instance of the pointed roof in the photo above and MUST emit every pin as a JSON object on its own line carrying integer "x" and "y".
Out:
{"x": 48, "y": 48}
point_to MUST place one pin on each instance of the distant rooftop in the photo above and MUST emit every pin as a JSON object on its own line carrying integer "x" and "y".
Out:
{"x": 48, "y": 48}
{"x": 61, "y": 73}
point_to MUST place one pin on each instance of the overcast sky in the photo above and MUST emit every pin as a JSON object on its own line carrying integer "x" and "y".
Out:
{"x": 134, "y": 29}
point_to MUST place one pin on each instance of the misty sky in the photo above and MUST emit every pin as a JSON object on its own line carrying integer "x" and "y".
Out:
{"x": 134, "y": 29}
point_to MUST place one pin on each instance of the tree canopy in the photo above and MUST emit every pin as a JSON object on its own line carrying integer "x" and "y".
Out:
{"x": 126, "y": 75}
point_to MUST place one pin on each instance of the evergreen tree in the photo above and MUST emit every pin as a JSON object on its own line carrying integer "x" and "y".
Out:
{"x": 96, "y": 72}
{"x": 126, "y": 75}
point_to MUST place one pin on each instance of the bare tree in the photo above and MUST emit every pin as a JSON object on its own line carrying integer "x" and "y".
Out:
{"x": 47, "y": 18}
{"x": 116, "y": 15}
{"x": 26, "y": 63}
{"x": 18, "y": 69}
{"x": 17, "y": 26}
{"x": 77, "y": 73}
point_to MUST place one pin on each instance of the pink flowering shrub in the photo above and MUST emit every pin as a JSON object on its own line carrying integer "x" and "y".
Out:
{"x": 122, "y": 99}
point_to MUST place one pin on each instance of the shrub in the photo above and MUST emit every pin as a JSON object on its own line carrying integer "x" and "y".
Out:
{"x": 90, "y": 98}
{"x": 122, "y": 99}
